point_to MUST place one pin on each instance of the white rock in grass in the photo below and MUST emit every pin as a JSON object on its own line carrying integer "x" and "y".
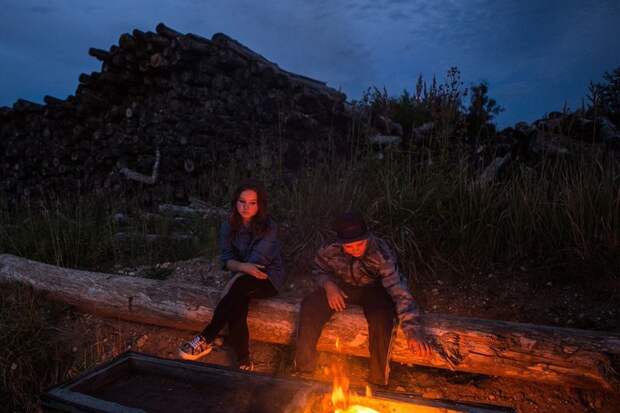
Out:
{"x": 384, "y": 140}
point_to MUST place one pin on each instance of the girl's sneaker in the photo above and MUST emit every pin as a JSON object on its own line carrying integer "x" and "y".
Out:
{"x": 195, "y": 348}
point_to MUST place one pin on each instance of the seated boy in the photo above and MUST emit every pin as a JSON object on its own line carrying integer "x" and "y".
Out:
{"x": 359, "y": 268}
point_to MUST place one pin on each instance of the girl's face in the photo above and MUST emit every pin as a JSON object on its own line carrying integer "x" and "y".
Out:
{"x": 247, "y": 205}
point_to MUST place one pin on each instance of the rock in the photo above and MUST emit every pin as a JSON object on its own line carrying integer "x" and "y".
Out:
{"x": 551, "y": 124}
{"x": 396, "y": 129}
{"x": 597, "y": 403}
{"x": 121, "y": 219}
{"x": 383, "y": 124}
{"x": 544, "y": 145}
{"x": 586, "y": 129}
{"x": 384, "y": 140}
{"x": 432, "y": 394}
{"x": 522, "y": 127}
{"x": 142, "y": 341}
{"x": 492, "y": 171}
{"x": 421, "y": 133}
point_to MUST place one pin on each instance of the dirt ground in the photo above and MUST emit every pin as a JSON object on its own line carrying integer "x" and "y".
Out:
{"x": 524, "y": 296}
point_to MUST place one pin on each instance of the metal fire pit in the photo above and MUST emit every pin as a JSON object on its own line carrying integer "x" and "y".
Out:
{"x": 135, "y": 382}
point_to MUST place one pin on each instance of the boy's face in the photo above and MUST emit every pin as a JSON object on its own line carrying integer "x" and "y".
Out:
{"x": 355, "y": 249}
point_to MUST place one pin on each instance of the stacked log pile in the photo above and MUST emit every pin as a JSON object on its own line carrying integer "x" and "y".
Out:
{"x": 166, "y": 110}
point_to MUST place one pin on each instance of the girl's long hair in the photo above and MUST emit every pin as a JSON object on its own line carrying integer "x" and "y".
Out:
{"x": 260, "y": 222}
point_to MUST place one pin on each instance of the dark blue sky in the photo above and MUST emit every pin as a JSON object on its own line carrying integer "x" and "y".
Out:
{"x": 535, "y": 55}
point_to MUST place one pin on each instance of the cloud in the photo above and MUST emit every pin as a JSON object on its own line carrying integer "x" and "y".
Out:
{"x": 42, "y": 9}
{"x": 542, "y": 51}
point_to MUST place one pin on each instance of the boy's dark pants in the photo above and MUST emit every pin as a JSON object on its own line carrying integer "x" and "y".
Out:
{"x": 379, "y": 311}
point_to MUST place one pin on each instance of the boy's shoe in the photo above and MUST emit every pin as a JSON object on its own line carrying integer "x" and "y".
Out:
{"x": 377, "y": 385}
{"x": 195, "y": 348}
{"x": 299, "y": 374}
{"x": 298, "y": 370}
{"x": 246, "y": 364}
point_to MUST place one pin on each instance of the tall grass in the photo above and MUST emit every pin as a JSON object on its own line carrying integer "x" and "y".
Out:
{"x": 80, "y": 233}
{"x": 73, "y": 233}
{"x": 32, "y": 356}
{"x": 558, "y": 214}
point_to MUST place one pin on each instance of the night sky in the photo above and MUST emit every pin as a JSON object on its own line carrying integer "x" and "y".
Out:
{"x": 535, "y": 55}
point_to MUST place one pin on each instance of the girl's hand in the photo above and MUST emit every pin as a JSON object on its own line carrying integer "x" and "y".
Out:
{"x": 255, "y": 270}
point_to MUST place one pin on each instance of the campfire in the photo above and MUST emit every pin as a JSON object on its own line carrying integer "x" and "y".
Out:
{"x": 157, "y": 385}
{"x": 342, "y": 399}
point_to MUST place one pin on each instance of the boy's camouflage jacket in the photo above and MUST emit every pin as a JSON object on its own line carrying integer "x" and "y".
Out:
{"x": 378, "y": 263}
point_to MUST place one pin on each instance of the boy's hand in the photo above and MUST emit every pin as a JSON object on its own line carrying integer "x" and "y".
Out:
{"x": 335, "y": 296}
{"x": 418, "y": 346}
{"x": 254, "y": 270}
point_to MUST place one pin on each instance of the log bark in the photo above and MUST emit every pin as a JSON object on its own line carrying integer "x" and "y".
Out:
{"x": 166, "y": 31}
{"x": 53, "y": 101}
{"x": 100, "y": 54}
{"x": 23, "y": 105}
{"x": 572, "y": 357}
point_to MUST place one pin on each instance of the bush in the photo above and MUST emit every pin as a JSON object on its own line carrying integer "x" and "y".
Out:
{"x": 441, "y": 104}
{"x": 604, "y": 98}
{"x": 481, "y": 112}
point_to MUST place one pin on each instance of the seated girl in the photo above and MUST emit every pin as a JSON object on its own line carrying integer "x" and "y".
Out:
{"x": 249, "y": 248}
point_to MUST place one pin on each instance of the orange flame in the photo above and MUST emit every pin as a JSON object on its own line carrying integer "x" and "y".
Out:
{"x": 357, "y": 409}
{"x": 340, "y": 393}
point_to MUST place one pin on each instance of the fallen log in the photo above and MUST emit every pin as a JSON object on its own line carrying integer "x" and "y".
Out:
{"x": 572, "y": 357}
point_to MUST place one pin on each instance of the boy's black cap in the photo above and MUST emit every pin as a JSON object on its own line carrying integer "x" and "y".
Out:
{"x": 350, "y": 227}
